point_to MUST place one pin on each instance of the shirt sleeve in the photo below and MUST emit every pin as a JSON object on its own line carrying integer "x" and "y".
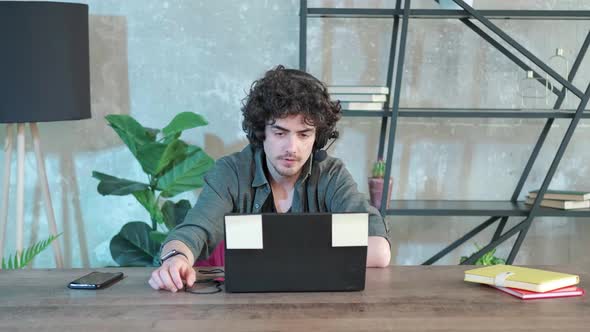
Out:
{"x": 342, "y": 195}
{"x": 202, "y": 227}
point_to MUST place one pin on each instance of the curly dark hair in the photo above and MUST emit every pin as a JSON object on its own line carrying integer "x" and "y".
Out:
{"x": 284, "y": 92}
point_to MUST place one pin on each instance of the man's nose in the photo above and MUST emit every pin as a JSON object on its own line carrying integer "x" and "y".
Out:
{"x": 292, "y": 142}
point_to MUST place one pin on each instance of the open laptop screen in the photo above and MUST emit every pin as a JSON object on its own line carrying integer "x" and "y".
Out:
{"x": 295, "y": 252}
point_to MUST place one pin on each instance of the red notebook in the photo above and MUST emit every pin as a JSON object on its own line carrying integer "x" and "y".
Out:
{"x": 528, "y": 295}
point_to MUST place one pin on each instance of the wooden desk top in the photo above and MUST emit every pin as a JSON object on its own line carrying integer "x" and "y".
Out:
{"x": 417, "y": 298}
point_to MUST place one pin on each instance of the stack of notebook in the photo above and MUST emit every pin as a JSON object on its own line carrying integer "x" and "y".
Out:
{"x": 359, "y": 98}
{"x": 562, "y": 199}
{"x": 526, "y": 283}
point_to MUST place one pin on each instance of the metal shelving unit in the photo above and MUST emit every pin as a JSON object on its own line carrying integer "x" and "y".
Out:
{"x": 467, "y": 113}
{"x": 496, "y": 211}
{"x": 449, "y": 13}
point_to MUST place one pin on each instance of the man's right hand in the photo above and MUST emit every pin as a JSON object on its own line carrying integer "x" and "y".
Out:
{"x": 173, "y": 273}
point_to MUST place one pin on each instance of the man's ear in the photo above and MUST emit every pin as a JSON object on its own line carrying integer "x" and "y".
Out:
{"x": 260, "y": 135}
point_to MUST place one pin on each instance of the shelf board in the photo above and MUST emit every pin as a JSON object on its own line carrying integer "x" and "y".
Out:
{"x": 450, "y": 13}
{"x": 474, "y": 208}
{"x": 468, "y": 113}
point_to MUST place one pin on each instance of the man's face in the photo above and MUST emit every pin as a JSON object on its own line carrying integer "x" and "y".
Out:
{"x": 288, "y": 144}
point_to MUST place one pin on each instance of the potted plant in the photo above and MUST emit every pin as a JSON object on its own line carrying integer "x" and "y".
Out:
{"x": 376, "y": 184}
{"x": 172, "y": 166}
{"x": 487, "y": 259}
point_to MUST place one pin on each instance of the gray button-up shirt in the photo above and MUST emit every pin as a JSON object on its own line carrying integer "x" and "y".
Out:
{"x": 238, "y": 184}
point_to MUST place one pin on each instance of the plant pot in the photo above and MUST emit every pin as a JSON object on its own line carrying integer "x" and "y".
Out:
{"x": 376, "y": 191}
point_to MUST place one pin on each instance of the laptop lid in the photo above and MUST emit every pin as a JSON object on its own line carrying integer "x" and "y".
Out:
{"x": 292, "y": 252}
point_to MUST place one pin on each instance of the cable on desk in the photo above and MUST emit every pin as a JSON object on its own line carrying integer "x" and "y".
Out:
{"x": 196, "y": 289}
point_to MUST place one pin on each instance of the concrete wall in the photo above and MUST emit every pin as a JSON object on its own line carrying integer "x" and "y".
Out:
{"x": 152, "y": 59}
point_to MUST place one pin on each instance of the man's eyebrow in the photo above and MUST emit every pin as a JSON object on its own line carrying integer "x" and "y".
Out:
{"x": 274, "y": 126}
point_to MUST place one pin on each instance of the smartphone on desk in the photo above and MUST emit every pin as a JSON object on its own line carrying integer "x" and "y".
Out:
{"x": 96, "y": 280}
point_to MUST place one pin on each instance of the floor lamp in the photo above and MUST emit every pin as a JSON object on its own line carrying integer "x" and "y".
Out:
{"x": 44, "y": 76}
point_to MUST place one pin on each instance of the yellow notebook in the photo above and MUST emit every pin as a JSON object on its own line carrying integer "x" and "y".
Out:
{"x": 521, "y": 277}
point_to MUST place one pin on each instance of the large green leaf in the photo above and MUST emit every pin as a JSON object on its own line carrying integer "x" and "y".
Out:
{"x": 133, "y": 134}
{"x": 175, "y": 152}
{"x": 158, "y": 237}
{"x": 185, "y": 176}
{"x": 183, "y": 121}
{"x": 148, "y": 200}
{"x": 190, "y": 151}
{"x": 156, "y": 157}
{"x": 110, "y": 185}
{"x": 152, "y": 133}
{"x": 149, "y": 156}
{"x": 133, "y": 246}
{"x": 174, "y": 213}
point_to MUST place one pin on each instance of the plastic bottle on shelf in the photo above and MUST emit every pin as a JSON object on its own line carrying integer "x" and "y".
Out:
{"x": 560, "y": 64}
{"x": 533, "y": 95}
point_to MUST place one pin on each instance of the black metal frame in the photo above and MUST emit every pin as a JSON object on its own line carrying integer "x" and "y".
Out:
{"x": 384, "y": 118}
{"x": 395, "y": 106}
{"x": 502, "y": 210}
{"x": 405, "y": 112}
{"x": 449, "y": 13}
{"x": 303, "y": 35}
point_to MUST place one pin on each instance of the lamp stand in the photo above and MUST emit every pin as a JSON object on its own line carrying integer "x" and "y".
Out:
{"x": 20, "y": 186}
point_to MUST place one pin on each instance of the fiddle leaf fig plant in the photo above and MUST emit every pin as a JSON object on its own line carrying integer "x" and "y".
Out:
{"x": 172, "y": 166}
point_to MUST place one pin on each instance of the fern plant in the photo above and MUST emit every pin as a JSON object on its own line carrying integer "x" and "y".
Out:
{"x": 487, "y": 259}
{"x": 18, "y": 261}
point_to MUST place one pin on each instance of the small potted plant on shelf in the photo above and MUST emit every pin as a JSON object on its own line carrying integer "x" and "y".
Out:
{"x": 376, "y": 184}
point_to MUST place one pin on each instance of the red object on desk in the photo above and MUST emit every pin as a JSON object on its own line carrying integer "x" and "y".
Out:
{"x": 217, "y": 257}
{"x": 528, "y": 295}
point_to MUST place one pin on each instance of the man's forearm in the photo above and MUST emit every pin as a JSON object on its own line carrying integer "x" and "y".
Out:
{"x": 179, "y": 246}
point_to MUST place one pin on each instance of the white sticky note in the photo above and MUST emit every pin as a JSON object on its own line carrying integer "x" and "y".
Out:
{"x": 350, "y": 229}
{"x": 243, "y": 232}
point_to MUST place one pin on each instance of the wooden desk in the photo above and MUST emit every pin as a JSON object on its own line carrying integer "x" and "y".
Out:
{"x": 417, "y": 298}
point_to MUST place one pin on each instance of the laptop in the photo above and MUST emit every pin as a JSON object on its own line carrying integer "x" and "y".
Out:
{"x": 295, "y": 252}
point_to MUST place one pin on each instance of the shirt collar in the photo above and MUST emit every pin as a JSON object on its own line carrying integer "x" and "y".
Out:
{"x": 260, "y": 176}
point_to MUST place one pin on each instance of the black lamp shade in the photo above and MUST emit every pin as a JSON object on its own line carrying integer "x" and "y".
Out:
{"x": 44, "y": 62}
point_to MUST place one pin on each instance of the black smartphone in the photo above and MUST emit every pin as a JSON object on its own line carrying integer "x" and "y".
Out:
{"x": 96, "y": 280}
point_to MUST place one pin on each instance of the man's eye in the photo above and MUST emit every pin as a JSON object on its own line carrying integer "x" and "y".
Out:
{"x": 279, "y": 133}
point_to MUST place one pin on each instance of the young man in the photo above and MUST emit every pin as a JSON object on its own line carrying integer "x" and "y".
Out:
{"x": 288, "y": 118}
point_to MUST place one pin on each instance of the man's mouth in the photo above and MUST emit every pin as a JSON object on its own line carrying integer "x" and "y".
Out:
{"x": 289, "y": 159}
